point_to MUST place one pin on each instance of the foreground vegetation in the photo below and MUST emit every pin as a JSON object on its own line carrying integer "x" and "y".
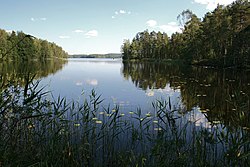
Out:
{"x": 221, "y": 39}
{"x": 20, "y": 46}
{"x": 39, "y": 130}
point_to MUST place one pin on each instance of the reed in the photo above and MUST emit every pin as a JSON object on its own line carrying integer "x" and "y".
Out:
{"x": 37, "y": 130}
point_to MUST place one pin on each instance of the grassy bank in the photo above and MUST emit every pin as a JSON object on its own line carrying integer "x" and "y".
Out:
{"x": 36, "y": 130}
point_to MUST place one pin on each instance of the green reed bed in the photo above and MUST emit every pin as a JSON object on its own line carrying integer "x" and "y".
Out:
{"x": 35, "y": 131}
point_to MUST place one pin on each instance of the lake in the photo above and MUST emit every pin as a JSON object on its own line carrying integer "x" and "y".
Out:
{"x": 205, "y": 94}
{"x": 108, "y": 78}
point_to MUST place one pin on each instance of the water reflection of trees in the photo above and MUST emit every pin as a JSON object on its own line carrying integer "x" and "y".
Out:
{"x": 222, "y": 95}
{"x": 150, "y": 75}
{"x": 17, "y": 71}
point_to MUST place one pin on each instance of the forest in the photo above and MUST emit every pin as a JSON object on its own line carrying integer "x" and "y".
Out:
{"x": 221, "y": 39}
{"x": 109, "y": 55}
{"x": 20, "y": 46}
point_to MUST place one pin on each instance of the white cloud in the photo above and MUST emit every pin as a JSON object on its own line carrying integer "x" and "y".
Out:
{"x": 122, "y": 12}
{"x": 170, "y": 28}
{"x": 172, "y": 23}
{"x": 10, "y": 31}
{"x": 92, "y": 82}
{"x": 38, "y": 19}
{"x": 79, "y": 83}
{"x": 113, "y": 17}
{"x": 64, "y": 37}
{"x": 92, "y": 33}
{"x": 212, "y": 4}
{"x": 203, "y": 2}
{"x": 151, "y": 23}
{"x": 78, "y": 31}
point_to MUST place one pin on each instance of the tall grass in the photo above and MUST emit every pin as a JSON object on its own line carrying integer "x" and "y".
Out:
{"x": 35, "y": 131}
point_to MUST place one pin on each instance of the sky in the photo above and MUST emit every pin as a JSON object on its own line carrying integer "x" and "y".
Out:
{"x": 96, "y": 26}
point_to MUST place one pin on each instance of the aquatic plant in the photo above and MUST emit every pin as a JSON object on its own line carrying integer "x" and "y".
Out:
{"x": 37, "y": 129}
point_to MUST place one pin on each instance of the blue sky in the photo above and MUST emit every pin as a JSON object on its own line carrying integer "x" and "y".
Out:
{"x": 96, "y": 26}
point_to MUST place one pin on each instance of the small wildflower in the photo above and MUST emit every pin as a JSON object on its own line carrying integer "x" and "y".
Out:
{"x": 122, "y": 114}
{"x": 155, "y": 121}
{"x": 131, "y": 112}
{"x": 94, "y": 119}
{"x": 101, "y": 113}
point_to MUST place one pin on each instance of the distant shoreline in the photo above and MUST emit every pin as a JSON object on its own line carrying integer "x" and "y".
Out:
{"x": 109, "y": 55}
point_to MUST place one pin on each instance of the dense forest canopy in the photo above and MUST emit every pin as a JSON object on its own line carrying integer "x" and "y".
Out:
{"x": 18, "y": 45}
{"x": 221, "y": 38}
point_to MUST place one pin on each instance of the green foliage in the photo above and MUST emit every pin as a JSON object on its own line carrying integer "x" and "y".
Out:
{"x": 3, "y": 43}
{"x": 221, "y": 39}
{"x": 146, "y": 45}
{"x": 20, "y": 46}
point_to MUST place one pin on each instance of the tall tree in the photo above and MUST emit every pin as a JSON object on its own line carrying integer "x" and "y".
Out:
{"x": 3, "y": 43}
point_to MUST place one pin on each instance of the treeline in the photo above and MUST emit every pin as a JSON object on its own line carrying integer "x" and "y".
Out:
{"x": 221, "y": 38}
{"x": 109, "y": 55}
{"x": 18, "y": 45}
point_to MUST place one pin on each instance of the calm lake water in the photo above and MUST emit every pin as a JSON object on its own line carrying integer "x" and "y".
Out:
{"x": 108, "y": 78}
{"x": 218, "y": 96}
